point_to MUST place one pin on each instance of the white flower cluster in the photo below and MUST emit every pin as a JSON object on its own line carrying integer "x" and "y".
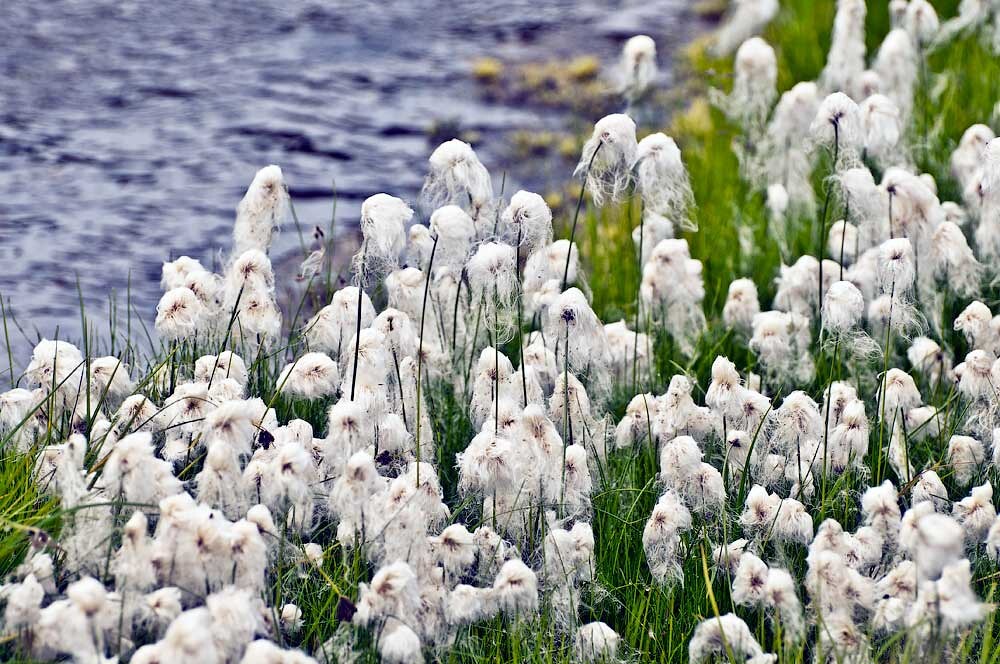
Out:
{"x": 901, "y": 571}
{"x": 185, "y": 491}
{"x": 189, "y": 496}
{"x": 893, "y": 259}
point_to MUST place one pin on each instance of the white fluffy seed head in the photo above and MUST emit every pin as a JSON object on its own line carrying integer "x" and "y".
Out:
{"x": 990, "y": 159}
{"x": 663, "y": 180}
{"x": 492, "y": 274}
{"x": 842, "y": 241}
{"x": 717, "y": 636}
{"x": 383, "y": 228}
{"x": 897, "y": 64}
{"x": 109, "y": 378}
{"x": 455, "y": 230}
{"x": 777, "y": 201}
{"x": 400, "y": 645}
{"x": 311, "y": 376}
{"x": 638, "y": 66}
{"x": 220, "y": 367}
{"x": 529, "y": 219}
{"x": 896, "y": 267}
{"x": 174, "y": 273}
{"x": 863, "y": 197}
{"x": 966, "y": 158}
{"x": 261, "y": 211}
{"x": 596, "y": 642}
{"x": 846, "y": 59}
{"x": 837, "y": 126}
{"x": 457, "y": 177}
{"x": 179, "y": 315}
{"x": 755, "y": 75}
{"x": 843, "y": 307}
{"x": 608, "y": 157}
{"x": 954, "y": 261}
{"x": 921, "y": 21}
{"x": 745, "y": 20}
{"x": 742, "y": 304}
{"x": 249, "y": 272}
{"x": 883, "y": 128}
{"x": 516, "y": 588}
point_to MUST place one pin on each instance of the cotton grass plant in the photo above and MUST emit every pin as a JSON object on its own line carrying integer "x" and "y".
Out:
{"x": 469, "y": 454}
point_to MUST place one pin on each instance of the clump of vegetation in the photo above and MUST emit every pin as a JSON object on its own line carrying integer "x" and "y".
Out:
{"x": 575, "y": 85}
{"x": 743, "y": 410}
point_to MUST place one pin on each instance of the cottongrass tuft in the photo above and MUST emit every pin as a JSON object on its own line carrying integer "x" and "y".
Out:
{"x": 382, "y": 487}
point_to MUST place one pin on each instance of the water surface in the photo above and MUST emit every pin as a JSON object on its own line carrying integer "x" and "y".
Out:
{"x": 129, "y": 130}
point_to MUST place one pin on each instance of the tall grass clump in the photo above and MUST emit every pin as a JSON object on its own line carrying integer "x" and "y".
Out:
{"x": 744, "y": 408}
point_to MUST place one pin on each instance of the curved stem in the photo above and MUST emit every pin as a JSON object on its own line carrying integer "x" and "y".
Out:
{"x": 420, "y": 349}
{"x": 576, "y": 215}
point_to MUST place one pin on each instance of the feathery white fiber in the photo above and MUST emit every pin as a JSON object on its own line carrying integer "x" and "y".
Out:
{"x": 527, "y": 220}
{"x": 457, "y": 177}
{"x": 608, "y": 157}
{"x": 638, "y": 66}
{"x": 383, "y": 228}
{"x": 663, "y": 180}
{"x": 261, "y": 211}
{"x": 838, "y": 127}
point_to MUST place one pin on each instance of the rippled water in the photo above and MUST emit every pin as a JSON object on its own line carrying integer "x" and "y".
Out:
{"x": 129, "y": 130}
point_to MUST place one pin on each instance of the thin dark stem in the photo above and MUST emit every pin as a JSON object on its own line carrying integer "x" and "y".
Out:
{"x": 496, "y": 367}
{"x": 569, "y": 419}
{"x": 568, "y": 429}
{"x": 891, "y": 236}
{"x": 496, "y": 218}
{"x": 399, "y": 379}
{"x": 576, "y": 215}
{"x": 843, "y": 236}
{"x": 520, "y": 324}
{"x": 420, "y": 349}
{"x": 357, "y": 331}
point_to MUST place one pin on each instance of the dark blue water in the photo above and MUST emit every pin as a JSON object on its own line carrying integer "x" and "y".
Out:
{"x": 129, "y": 130}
